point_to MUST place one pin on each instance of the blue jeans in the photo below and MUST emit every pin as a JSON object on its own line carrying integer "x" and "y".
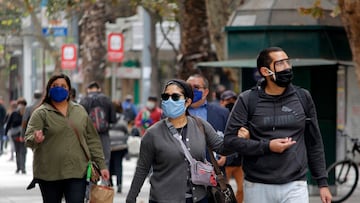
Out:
{"x": 73, "y": 189}
{"x": 292, "y": 192}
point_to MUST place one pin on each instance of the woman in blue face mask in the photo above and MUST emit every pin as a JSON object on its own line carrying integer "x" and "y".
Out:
{"x": 54, "y": 132}
{"x": 161, "y": 151}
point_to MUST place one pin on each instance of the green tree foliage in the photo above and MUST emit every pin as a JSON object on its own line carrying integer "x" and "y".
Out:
{"x": 166, "y": 9}
{"x": 10, "y": 18}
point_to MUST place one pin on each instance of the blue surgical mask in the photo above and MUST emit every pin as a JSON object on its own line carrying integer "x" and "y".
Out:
{"x": 197, "y": 95}
{"x": 173, "y": 109}
{"x": 58, "y": 94}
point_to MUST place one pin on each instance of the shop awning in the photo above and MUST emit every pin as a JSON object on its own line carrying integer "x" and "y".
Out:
{"x": 251, "y": 63}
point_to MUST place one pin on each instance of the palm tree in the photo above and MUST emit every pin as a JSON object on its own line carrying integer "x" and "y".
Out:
{"x": 350, "y": 18}
{"x": 92, "y": 41}
{"x": 195, "y": 38}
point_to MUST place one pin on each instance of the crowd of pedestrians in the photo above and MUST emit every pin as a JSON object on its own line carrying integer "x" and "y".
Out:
{"x": 255, "y": 136}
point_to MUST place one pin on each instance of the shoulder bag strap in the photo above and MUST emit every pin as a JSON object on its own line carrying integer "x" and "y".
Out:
{"x": 303, "y": 100}
{"x": 177, "y": 136}
{"x": 78, "y": 136}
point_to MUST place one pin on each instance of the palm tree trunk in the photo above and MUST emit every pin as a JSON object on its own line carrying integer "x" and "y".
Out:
{"x": 195, "y": 38}
{"x": 350, "y": 18}
{"x": 92, "y": 40}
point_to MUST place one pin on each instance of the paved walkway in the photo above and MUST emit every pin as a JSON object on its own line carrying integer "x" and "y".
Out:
{"x": 12, "y": 186}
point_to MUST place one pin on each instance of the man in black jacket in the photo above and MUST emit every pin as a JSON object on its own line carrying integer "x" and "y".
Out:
{"x": 277, "y": 152}
{"x": 95, "y": 100}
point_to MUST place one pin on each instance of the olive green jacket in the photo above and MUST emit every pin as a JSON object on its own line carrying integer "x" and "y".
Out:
{"x": 60, "y": 155}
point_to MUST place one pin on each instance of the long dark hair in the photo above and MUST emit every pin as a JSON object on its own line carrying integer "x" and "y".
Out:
{"x": 47, "y": 98}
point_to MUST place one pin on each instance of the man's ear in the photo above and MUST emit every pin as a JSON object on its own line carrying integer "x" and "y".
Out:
{"x": 265, "y": 71}
{"x": 206, "y": 92}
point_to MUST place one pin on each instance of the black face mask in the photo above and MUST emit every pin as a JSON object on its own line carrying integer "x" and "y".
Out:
{"x": 229, "y": 106}
{"x": 283, "y": 78}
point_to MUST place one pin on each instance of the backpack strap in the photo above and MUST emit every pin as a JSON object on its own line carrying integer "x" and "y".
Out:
{"x": 250, "y": 99}
{"x": 94, "y": 101}
{"x": 303, "y": 100}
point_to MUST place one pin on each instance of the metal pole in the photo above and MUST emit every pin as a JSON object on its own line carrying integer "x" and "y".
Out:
{"x": 146, "y": 58}
{"x": 113, "y": 81}
{"x": 43, "y": 70}
{"x": 75, "y": 34}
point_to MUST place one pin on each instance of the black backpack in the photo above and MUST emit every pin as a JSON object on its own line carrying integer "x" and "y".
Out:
{"x": 98, "y": 115}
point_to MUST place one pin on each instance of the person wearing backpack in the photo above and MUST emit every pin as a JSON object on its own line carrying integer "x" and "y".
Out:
{"x": 284, "y": 138}
{"x": 102, "y": 113}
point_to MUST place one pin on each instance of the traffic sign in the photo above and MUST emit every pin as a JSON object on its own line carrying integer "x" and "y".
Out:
{"x": 68, "y": 56}
{"x": 115, "y": 47}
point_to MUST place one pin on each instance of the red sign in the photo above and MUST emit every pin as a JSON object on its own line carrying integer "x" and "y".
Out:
{"x": 115, "y": 47}
{"x": 68, "y": 56}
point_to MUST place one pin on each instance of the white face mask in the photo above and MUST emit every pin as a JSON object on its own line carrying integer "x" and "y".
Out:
{"x": 20, "y": 106}
{"x": 150, "y": 105}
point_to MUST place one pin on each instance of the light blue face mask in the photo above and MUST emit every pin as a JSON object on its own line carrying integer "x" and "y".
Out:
{"x": 173, "y": 109}
{"x": 197, "y": 95}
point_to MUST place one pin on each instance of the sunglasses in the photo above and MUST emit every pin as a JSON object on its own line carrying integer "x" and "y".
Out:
{"x": 174, "y": 97}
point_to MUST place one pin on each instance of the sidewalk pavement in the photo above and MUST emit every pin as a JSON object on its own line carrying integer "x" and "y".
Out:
{"x": 13, "y": 186}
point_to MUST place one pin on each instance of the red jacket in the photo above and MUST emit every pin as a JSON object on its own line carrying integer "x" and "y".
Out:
{"x": 145, "y": 118}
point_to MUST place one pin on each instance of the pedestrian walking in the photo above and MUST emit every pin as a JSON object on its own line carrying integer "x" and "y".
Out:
{"x": 9, "y": 142}
{"x": 148, "y": 115}
{"x": 102, "y": 113}
{"x": 14, "y": 130}
{"x": 233, "y": 168}
{"x": 284, "y": 136}
{"x": 54, "y": 133}
{"x": 212, "y": 112}
{"x": 160, "y": 150}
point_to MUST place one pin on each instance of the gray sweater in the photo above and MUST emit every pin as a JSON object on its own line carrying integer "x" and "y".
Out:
{"x": 161, "y": 151}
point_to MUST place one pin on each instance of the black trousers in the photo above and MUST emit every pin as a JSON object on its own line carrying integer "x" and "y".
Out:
{"x": 72, "y": 189}
{"x": 20, "y": 151}
{"x": 116, "y": 167}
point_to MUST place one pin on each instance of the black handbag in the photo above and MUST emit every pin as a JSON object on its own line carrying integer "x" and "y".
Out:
{"x": 222, "y": 192}
{"x": 216, "y": 195}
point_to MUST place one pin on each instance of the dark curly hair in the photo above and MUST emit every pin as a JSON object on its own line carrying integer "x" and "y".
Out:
{"x": 264, "y": 59}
